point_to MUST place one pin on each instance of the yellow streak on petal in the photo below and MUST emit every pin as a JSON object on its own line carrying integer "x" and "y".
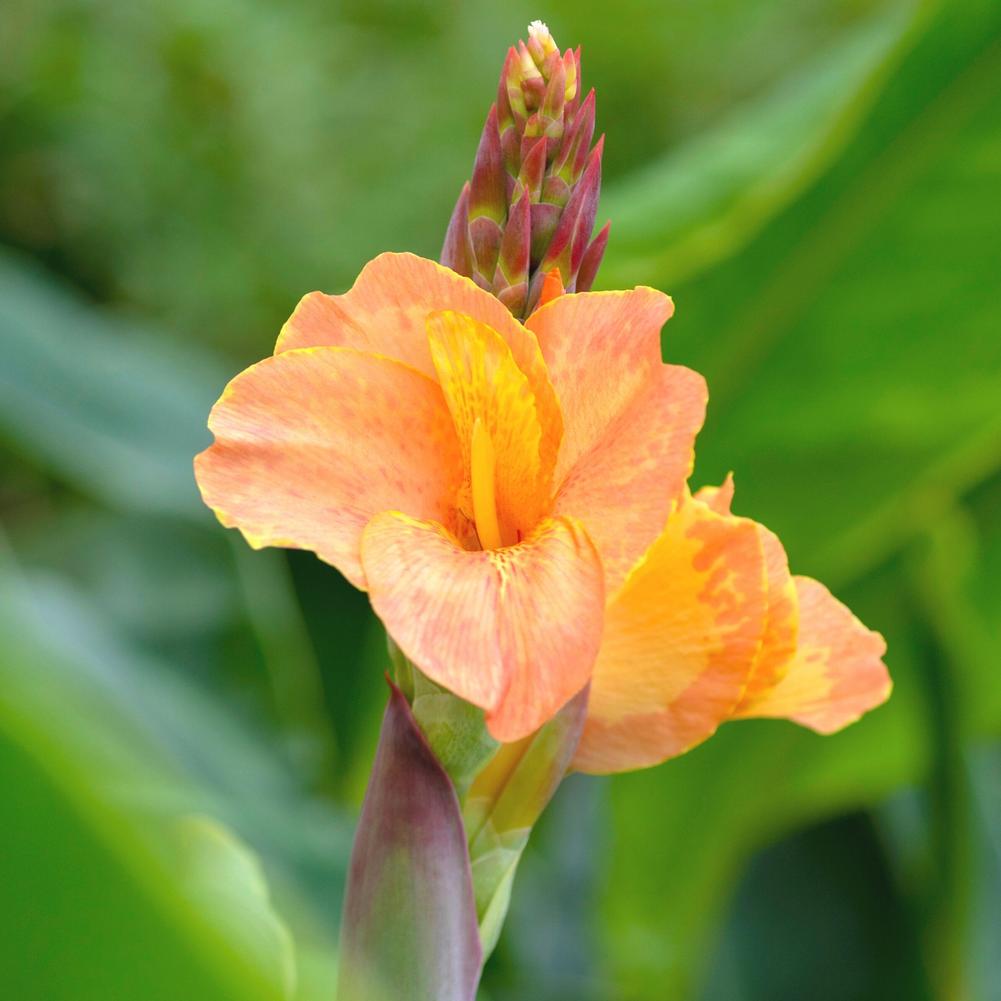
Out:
{"x": 482, "y": 462}
{"x": 482, "y": 383}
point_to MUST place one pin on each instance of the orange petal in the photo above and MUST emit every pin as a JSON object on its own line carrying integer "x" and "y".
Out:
{"x": 837, "y": 673}
{"x": 778, "y": 644}
{"x": 623, "y": 488}
{"x": 552, "y": 287}
{"x": 680, "y": 638}
{"x": 386, "y": 311}
{"x": 514, "y": 631}
{"x": 482, "y": 382}
{"x": 310, "y": 444}
{"x": 601, "y": 349}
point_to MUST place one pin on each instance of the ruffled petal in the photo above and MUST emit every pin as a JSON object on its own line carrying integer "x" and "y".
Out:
{"x": 482, "y": 382}
{"x": 624, "y": 486}
{"x": 310, "y": 444}
{"x": 837, "y": 673}
{"x": 514, "y": 631}
{"x": 386, "y": 310}
{"x": 680, "y": 639}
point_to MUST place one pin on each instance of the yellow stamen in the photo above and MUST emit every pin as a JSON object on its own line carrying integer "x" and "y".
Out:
{"x": 481, "y": 474}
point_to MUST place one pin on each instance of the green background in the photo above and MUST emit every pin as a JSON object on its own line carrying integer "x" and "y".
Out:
{"x": 186, "y": 726}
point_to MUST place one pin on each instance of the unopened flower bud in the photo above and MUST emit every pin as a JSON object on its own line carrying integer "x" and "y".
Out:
{"x": 534, "y": 190}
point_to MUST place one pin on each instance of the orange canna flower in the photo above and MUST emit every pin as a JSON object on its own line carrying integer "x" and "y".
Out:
{"x": 710, "y": 626}
{"x": 490, "y": 483}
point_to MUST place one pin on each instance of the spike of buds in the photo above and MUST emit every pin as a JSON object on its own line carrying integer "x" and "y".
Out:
{"x": 530, "y": 204}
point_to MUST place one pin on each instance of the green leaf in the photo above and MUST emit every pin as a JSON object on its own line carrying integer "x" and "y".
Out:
{"x": 685, "y": 211}
{"x": 104, "y": 405}
{"x": 143, "y": 747}
{"x": 222, "y": 877}
{"x": 97, "y": 910}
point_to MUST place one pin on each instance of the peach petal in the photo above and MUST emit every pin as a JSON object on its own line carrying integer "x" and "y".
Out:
{"x": 601, "y": 348}
{"x": 837, "y": 673}
{"x": 778, "y": 644}
{"x": 386, "y": 310}
{"x": 624, "y": 486}
{"x": 680, "y": 638}
{"x": 513, "y": 630}
{"x": 310, "y": 444}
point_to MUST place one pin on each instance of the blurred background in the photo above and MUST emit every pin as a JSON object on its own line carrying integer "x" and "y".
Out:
{"x": 186, "y": 726}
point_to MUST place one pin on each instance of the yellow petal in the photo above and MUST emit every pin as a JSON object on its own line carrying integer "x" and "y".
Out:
{"x": 680, "y": 639}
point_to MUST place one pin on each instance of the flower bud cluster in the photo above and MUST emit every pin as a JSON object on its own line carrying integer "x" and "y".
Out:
{"x": 531, "y": 202}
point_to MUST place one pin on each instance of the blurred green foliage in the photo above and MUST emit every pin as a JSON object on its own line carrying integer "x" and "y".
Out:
{"x": 818, "y": 184}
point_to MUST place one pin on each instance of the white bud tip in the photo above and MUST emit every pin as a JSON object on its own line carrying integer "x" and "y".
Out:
{"x": 539, "y": 30}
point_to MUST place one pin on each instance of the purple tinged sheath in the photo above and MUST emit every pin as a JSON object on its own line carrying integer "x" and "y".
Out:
{"x": 409, "y": 928}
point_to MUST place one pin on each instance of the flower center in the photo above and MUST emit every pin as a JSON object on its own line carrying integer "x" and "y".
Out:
{"x": 481, "y": 475}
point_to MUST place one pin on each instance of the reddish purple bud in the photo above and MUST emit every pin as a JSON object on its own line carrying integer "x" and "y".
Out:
{"x": 533, "y": 86}
{"x": 590, "y": 186}
{"x": 577, "y": 141}
{"x": 571, "y": 71}
{"x": 552, "y": 103}
{"x": 583, "y": 204}
{"x": 514, "y": 297}
{"x": 505, "y": 113}
{"x": 511, "y": 150}
{"x": 487, "y": 191}
{"x": 550, "y": 63}
{"x": 457, "y": 253}
{"x": 535, "y": 291}
{"x": 592, "y": 260}
{"x": 533, "y": 169}
{"x": 545, "y": 218}
{"x": 529, "y": 139}
{"x": 581, "y": 153}
{"x": 555, "y": 191}
{"x": 513, "y": 260}
{"x": 485, "y": 235}
{"x": 510, "y": 83}
{"x": 534, "y": 149}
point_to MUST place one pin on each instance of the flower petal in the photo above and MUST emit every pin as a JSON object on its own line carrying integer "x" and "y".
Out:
{"x": 513, "y": 630}
{"x": 680, "y": 638}
{"x": 778, "y": 644}
{"x": 601, "y": 349}
{"x": 310, "y": 444}
{"x": 837, "y": 673}
{"x": 386, "y": 310}
{"x": 481, "y": 381}
{"x": 623, "y": 487}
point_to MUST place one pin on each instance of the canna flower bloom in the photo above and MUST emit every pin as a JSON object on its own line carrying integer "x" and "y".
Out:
{"x": 709, "y": 626}
{"x": 513, "y": 498}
